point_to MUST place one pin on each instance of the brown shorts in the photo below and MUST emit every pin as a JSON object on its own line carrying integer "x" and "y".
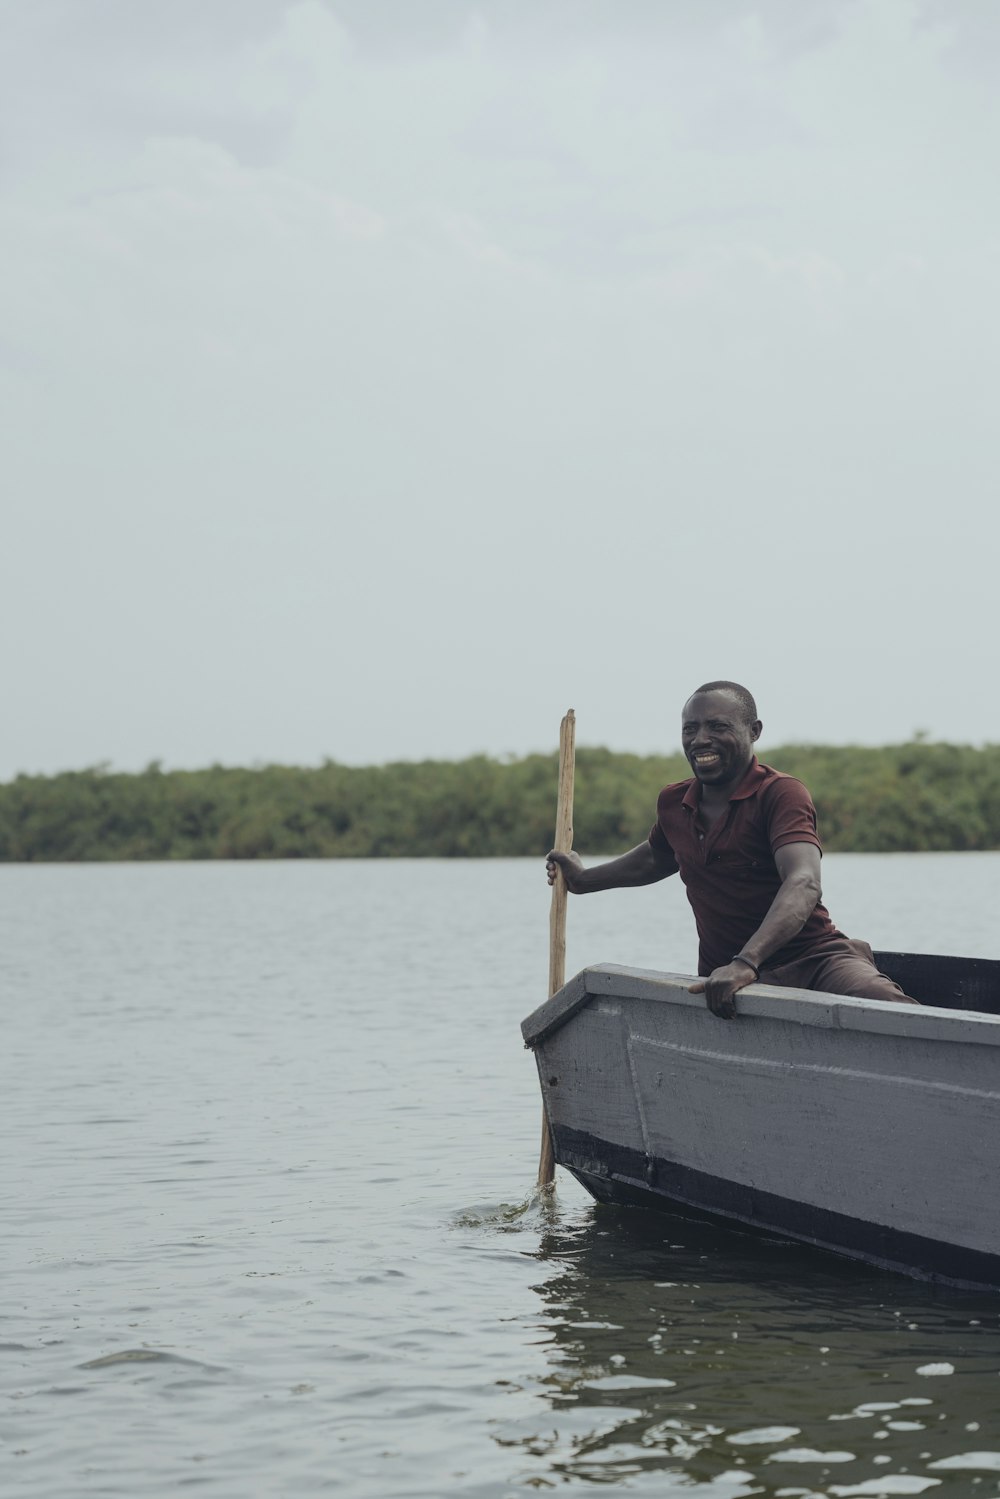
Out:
{"x": 838, "y": 966}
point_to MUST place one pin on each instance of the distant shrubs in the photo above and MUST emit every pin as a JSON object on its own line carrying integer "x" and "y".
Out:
{"x": 903, "y": 797}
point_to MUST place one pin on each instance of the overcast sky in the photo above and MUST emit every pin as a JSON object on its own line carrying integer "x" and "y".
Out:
{"x": 380, "y": 378}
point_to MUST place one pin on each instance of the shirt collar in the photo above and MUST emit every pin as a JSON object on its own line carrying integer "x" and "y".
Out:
{"x": 747, "y": 787}
{"x": 750, "y": 782}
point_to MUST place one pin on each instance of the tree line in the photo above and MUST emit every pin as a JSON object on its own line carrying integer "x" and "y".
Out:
{"x": 908, "y": 797}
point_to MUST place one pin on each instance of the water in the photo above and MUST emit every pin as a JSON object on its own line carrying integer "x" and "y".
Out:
{"x": 270, "y": 1138}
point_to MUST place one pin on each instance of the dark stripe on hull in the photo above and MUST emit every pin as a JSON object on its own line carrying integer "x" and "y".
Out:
{"x": 615, "y": 1174}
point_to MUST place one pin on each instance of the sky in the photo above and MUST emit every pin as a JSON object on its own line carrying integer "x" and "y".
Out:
{"x": 380, "y": 378}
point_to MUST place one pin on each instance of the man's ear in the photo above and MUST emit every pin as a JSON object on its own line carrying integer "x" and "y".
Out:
{"x": 757, "y": 728}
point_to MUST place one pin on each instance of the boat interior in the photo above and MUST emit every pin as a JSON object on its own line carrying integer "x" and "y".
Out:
{"x": 949, "y": 983}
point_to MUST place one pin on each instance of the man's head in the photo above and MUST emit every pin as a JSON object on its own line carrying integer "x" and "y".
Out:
{"x": 719, "y": 728}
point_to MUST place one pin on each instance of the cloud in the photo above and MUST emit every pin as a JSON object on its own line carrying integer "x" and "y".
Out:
{"x": 404, "y": 344}
{"x": 558, "y": 29}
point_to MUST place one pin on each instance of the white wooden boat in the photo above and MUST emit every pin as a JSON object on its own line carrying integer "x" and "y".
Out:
{"x": 867, "y": 1128}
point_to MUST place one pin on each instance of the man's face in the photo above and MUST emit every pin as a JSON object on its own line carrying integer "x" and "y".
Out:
{"x": 717, "y": 740}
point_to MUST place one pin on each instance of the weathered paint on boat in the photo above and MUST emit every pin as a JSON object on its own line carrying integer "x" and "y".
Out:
{"x": 867, "y": 1128}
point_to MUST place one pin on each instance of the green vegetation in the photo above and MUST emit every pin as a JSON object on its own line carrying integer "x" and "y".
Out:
{"x": 903, "y": 797}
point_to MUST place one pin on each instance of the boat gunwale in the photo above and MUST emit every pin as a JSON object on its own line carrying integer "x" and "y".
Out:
{"x": 764, "y": 1002}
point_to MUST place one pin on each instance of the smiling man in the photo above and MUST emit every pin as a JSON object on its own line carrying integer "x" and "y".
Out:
{"x": 743, "y": 839}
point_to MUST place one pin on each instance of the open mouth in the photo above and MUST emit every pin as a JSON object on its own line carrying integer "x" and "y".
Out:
{"x": 706, "y": 762}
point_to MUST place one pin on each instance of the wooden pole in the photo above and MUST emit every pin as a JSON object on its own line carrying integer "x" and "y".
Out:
{"x": 557, "y": 912}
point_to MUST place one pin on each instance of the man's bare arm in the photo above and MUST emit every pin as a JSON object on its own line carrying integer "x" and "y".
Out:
{"x": 642, "y": 865}
{"x": 799, "y": 867}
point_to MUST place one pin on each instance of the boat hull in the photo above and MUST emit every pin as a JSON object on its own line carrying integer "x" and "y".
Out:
{"x": 869, "y": 1129}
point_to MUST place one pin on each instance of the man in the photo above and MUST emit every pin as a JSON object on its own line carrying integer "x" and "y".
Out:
{"x": 743, "y": 838}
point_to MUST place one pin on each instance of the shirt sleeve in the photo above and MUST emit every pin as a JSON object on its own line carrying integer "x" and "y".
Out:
{"x": 790, "y": 816}
{"x": 661, "y": 848}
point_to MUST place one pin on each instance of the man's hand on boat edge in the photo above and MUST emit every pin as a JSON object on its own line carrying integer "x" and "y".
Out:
{"x": 721, "y": 988}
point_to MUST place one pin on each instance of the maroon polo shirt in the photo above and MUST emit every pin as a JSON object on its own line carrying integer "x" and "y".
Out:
{"x": 729, "y": 870}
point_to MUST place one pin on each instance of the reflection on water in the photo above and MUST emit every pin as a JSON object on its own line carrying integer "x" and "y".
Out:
{"x": 686, "y": 1348}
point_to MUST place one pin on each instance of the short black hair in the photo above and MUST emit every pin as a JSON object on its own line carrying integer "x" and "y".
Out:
{"x": 742, "y": 696}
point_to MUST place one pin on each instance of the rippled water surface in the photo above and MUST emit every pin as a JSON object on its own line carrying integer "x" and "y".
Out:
{"x": 270, "y": 1137}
